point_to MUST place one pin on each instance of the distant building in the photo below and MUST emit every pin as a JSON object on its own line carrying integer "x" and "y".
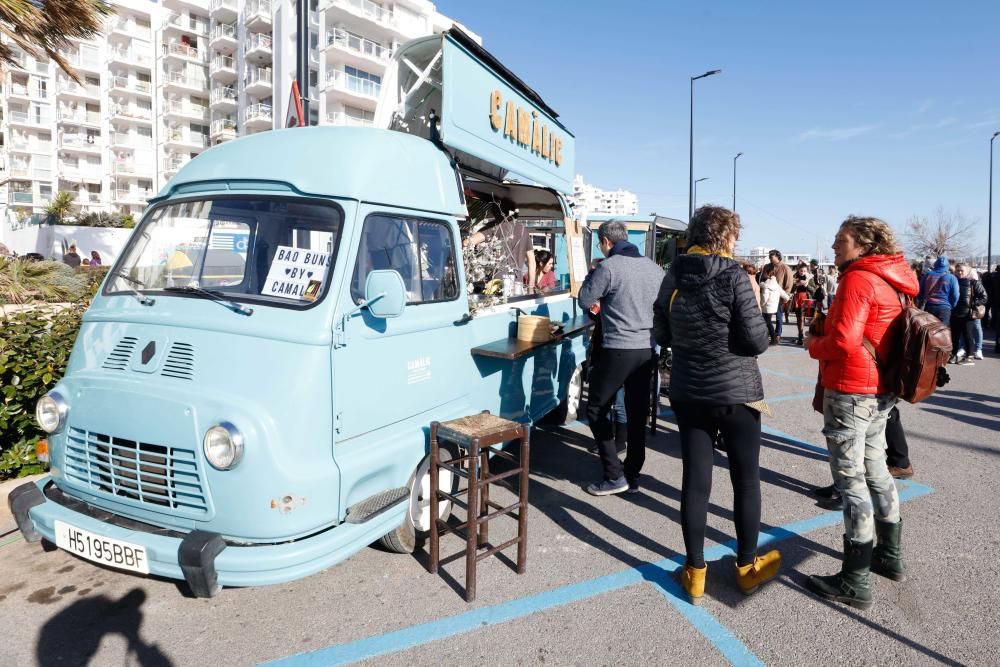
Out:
{"x": 592, "y": 199}
{"x": 758, "y": 256}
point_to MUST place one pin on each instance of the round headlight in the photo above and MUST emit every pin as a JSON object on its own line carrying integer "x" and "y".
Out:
{"x": 50, "y": 412}
{"x": 223, "y": 446}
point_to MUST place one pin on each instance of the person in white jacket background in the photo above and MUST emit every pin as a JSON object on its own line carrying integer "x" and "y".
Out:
{"x": 771, "y": 297}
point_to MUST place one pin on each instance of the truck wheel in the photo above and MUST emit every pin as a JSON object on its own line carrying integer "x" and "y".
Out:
{"x": 416, "y": 526}
{"x": 569, "y": 409}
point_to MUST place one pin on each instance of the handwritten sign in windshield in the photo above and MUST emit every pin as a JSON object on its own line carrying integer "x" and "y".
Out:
{"x": 296, "y": 273}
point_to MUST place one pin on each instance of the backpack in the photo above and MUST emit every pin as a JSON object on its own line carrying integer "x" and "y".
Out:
{"x": 925, "y": 345}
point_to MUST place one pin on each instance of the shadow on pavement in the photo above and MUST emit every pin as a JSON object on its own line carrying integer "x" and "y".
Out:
{"x": 73, "y": 635}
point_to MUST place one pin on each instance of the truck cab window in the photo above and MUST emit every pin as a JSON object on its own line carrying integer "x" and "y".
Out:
{"x": 421, "y": 251}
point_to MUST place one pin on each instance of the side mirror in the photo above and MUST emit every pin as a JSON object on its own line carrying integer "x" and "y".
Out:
{"x": 385, "y": 294}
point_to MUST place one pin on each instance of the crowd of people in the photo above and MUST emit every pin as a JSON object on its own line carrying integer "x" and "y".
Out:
{"x": 72, "y": 258}
{"x": 717, "y": 316}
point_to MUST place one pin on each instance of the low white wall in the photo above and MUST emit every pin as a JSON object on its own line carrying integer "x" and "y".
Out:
{"x": 52, "y": 241}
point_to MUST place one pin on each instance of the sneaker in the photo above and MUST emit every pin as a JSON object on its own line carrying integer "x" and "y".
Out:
{"x": 633, "y": 484}
{"x": 960, "y": 355}
{"x": 826, "y": 492}
{"x": 953, "y": 359}
{"x": 608, "y": 487}
{"x": 979, "y": 354}
{"x": 967, "y": 361}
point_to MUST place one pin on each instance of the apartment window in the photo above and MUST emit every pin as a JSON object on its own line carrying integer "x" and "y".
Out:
{"x": 45, "y": 191}
{"x": 361, "y": 74}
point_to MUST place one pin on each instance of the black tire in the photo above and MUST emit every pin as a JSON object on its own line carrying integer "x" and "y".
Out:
{"x": 406, "y": 537}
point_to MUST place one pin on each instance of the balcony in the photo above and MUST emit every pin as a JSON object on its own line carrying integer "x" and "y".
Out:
{"x": 184, "y": 139}
{"x": 173, "y": 162}
{"x": 360, "y": 51}
{"x": 131, "y": 196}
{"x": 80, "y": 143}
{"x": 223, "y": 99}
{"x": 225, "y": 11}
{"x": 257, "y": 48}
{"x": 223, "y": 68}
{"x": 127, "y": 27}
{"x": 127, "y": 167}
{"x": 74, "y": 174}
{"x": 27, "y": 119}
{"x": 223, "y": 38}
{"x": 133, "y": 114}
{"x": 371, "y": 11}
{"x": 257, "y": 15}
{"x": 123, "y": 84}
{"x": 185, "y": 109}
{"x": 258, "y": 81}
{"x": 22, "y": 171}
{"x": 18, "y": 90}
{"x": 77, "y": 61}
{"x": 184, "y": 53}
{"x": 187, "y": 23}
{"x": 66, "y": 87}
{"x": 78, "y": 117}
{"x": 223, "y": 129}
{"x": 341, "y": 118}
{"x": 353, "y": 86}
{"x": 179, "y": 80}
{"x": 258, "y": 117}
{"x": 83, "y": 197}
{"x": 129, "y": 141}
{"x": 21, "y": 198}
{"x": 128, "y": 57}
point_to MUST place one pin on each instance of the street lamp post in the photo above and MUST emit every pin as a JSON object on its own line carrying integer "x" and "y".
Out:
{"x": 691, "y": 144}
{"x": 989, "y": 225}
{"x": 696, "y": 191}
{"x": 734, "y": 180}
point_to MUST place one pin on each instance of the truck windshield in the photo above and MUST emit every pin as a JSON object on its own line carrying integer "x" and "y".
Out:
{"x": 269, "y": 250}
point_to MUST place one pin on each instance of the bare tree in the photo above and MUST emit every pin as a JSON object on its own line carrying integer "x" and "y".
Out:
{"x": 949, "y": 233}
{"x": 46, "y": 27}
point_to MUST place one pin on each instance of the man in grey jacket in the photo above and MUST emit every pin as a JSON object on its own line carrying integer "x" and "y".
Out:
{"x": 626, "y": 285}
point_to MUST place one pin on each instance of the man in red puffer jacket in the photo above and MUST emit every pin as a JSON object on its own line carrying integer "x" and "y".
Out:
{"x": 856, "y": 403}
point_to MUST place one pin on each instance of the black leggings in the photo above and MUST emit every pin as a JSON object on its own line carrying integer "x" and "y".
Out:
{"x": 740, "y": 429}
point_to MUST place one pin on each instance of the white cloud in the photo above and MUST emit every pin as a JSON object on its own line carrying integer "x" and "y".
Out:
{"x": 925, "y": 105}
{"x": 835, "y": 134}
{"x": 920, "y": 127}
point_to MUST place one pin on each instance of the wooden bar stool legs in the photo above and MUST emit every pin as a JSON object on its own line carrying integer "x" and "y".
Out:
{"x": 475, "y": 436}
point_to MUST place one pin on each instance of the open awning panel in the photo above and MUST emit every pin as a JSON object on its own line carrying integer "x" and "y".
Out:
{"x": 489, "y": 119}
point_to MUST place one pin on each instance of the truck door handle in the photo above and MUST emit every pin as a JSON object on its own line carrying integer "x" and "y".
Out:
{"x": 465, "y": 319}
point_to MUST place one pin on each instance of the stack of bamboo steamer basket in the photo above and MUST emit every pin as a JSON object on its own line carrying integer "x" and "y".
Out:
{"x": 534, "y": 329}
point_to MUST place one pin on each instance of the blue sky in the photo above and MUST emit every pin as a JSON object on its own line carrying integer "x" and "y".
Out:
{"x": 869, "y": 108}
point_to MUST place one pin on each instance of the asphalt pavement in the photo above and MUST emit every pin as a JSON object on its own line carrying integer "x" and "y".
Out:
{"x": 600, "y": 586}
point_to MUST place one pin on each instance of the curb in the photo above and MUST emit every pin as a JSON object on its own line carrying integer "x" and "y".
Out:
{"x": 7, "y": 523}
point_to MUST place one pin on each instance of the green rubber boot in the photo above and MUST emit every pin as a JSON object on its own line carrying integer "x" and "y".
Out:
{"x": 887, "y": 556}
{"x": 851, "y": 585}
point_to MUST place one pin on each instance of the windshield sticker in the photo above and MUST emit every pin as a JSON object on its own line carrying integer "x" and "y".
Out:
{"x": 296, "y": 273}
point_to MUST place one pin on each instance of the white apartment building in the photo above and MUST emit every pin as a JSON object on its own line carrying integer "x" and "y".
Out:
{"x": 758, "y": 256}
{"x": 167, "y": 80}
{"x": 592, "y": 199}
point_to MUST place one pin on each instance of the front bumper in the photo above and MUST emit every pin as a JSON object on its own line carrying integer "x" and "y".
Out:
{"x": 202, "y": 558}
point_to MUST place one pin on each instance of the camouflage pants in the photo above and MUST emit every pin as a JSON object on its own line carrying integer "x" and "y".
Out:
{"x": 854, "y": 426}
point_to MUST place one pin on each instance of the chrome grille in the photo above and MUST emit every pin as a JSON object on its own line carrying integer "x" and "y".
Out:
{"x": 150, "y": 474}
{"x": 121, "y": 355}
{"x": 180, "y": 362}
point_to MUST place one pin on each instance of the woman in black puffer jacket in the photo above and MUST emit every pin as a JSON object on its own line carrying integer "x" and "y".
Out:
{"x": 707, "y": 314}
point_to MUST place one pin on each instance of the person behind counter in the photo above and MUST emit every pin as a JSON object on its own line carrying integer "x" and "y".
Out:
{"x": 517, "y": 250}
{"x": 545, "y": 264}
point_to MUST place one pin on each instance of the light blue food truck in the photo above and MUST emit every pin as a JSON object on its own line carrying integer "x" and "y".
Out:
{"x": 250, "y": 394}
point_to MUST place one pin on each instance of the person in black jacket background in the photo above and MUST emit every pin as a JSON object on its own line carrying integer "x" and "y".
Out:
{"x": 706, "y": 312}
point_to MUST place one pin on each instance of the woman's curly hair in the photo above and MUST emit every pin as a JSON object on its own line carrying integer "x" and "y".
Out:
{"x": 874, "y": 235}
{"x": 712, "y": 226}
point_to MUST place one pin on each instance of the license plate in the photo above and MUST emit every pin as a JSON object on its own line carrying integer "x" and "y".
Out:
{"x": 99, "y": 549}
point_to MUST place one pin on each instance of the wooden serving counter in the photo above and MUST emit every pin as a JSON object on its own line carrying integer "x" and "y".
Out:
{"x": 512, "y": 348}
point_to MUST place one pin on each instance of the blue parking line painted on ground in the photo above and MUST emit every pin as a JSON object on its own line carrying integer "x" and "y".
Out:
{"x": 796, "y": 441}
{"x": 11, "y": 541}
{"x": 658, "y": 574}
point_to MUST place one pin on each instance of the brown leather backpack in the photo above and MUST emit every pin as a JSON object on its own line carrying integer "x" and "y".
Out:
{"x": 924, "y": 344}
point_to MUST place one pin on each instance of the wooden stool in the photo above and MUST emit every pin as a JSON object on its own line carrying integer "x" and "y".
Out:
{"x": 474, "y": 436}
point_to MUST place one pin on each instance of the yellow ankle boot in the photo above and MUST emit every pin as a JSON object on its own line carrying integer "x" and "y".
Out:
{"x": 763, "y": 568}
{"x": 693, "y": 581}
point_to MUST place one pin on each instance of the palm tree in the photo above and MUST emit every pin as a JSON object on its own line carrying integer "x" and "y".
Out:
{"x": 61, "y": 206}
{"x": 45, "y": 27}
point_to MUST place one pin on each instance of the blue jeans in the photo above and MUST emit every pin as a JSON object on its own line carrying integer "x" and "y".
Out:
{"x": 940, "y": 311}
{"x": 974, "y": 335}
{"x": 781, "y": 320}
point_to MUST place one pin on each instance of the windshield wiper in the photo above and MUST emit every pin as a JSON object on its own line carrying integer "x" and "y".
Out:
{"x": 213, "y": 295}
{"x": 143, "y": 299}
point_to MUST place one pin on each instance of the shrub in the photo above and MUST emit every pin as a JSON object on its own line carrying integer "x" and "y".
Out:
{"x": 105, "y": 219}
{"x": 23, "y": 281}
{"x": 34, "y": 349}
